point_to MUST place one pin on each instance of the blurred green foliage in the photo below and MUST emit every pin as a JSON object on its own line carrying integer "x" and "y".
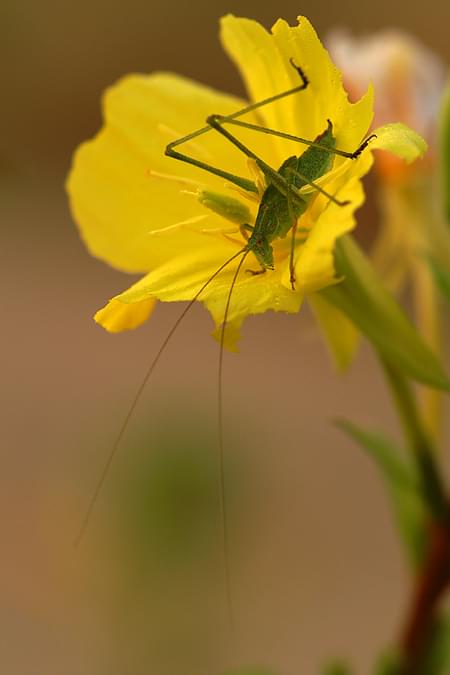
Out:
{"x": 436, "y": 660}
{"x": 250, "y": 671}
{"x": 402, "y": 484}
{"x": 441, "y": 276}
{"x": 167, "y": 496}
{"x": 337, "y": 668}
{"x": 386, "y": 325}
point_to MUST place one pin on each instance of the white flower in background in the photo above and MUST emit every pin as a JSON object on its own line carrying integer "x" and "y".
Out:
{"x": 408, "y": 77}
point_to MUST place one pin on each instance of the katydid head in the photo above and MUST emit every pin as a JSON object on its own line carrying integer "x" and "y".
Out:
{"x": 259, "y": 245}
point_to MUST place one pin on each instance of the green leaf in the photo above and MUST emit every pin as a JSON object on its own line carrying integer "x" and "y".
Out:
{"x": 442, "y": 277}
{"x": 402, "y": 486}
{"x": 444, "y": 146}
{"x": 363, "y": 298}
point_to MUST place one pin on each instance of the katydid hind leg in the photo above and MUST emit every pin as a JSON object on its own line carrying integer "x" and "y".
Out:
{"x": 297, "y": 139}
{"x": 280, "y": 183}
{"x": 250, "y": 107}
{"x": 237, "y": 180}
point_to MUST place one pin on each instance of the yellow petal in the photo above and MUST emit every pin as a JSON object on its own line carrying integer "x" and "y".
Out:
{"x": 116, "y": 190}
{"x": 264, "y": 63}
{"x": 265, "y": 73}
{"x": 327, "y": 96}
{"x": 400, "y": 140}
{"x": 251, "y": 295}
{"x": 340, "y": 334}
{"x": 183, "y": 277}
{"x": 116, "y": 316}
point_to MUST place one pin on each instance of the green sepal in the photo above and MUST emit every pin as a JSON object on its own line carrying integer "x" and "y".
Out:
{"x": 441, "y": 276}
{"x": 363, "y": 298}
{"x": 402, "y": 485}
{"x": 444, "y": 150}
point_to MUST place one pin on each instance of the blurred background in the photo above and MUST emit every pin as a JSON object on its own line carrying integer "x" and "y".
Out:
{"x": 316, "y": 567}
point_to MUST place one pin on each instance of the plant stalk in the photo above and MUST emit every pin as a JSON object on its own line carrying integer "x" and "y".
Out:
{"x": 433, "y": 576}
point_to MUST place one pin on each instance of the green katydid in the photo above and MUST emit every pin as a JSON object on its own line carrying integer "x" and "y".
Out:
{"x": 280, "y": 207}
{"x": 281, "y": 204}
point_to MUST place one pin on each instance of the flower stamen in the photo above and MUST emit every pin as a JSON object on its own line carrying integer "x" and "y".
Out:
{"x": 176, "y": 226}
{"x": 174, "y": 134}
{"x": 181, "y": 180}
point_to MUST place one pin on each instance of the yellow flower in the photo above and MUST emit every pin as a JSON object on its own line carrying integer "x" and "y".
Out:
{"x": 143, "y": 212}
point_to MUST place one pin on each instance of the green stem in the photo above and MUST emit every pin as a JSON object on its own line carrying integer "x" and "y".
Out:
{"x": 418, "y": 441}
{"x": 434, "y": 574}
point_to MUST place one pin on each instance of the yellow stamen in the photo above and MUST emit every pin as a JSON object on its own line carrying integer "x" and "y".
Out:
{"x": 258, "y": 176}
{"x": 174, "y": 179}
{"x": 175, "y": 135}
{"x": 176, "y": 226}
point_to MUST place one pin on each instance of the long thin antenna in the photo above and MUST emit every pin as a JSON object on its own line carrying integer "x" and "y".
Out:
{"x": 137, "y": 396}
{"x": 223, "y": 509}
